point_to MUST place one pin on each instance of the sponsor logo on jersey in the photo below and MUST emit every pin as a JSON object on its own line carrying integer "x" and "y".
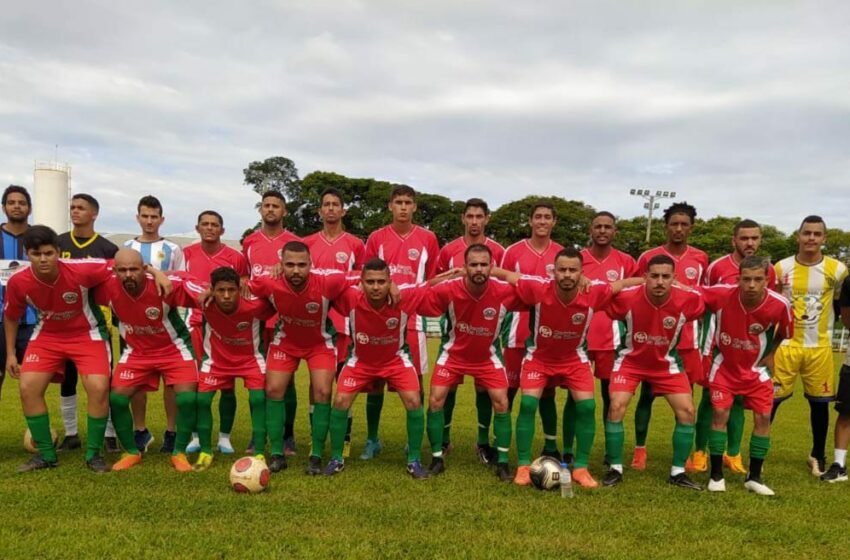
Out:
{"x": 691, "y": 273}
{"x": 242, "y": 325}
{"x": 210, "y": 380}
{"x": 362, "y": 338}
{"x": 640, "y": 337}
{"x": 70, "y": 297}
{"x": 545, "y": 331}
{"x": 725, "y": 339}
{"x": 413, "y": 254}
{"x": 341, "y": 257}
{"x": 442, "y": 372}
{"x": 756, "y": 328}
{"x": 312, "y": 307}
{"x": 126, "y": 374}
{"x": 489, "y": 313}
{"x": 669, "y": 322}
{"x": 31, "y": 358}
{"x": 392, "y": 323}
{"x": 152, "y": 313}
{"x": 717, "y": 395}
{"x": 578, "y": 318}
{"x": 812, "y": 308}
{"x": 534, "y": 376}
{"x": 349, "y": 382}
{"x": 612, "y": 275}
{"x": 278, "y": 355}
{"x": 621, "y": 379}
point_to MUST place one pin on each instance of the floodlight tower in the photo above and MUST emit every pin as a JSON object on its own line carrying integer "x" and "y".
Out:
{"x": 651, "y": 203}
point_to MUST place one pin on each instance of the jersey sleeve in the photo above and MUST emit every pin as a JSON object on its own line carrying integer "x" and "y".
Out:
{"x": 412, "y": 296}
{"x": 695, "y": 306}
{"x": 14, "y": 303}
{"x": 512, "y": 301}
{"x": 600, "y": 295}
{"x": 346, "y": 300}
{"x": 261, "y": 287}
{"x": 531, "y": 289}
{"x": 334, "y": 284}
{"x": 713, "y": 297}
{"x": 435, "y": 300}
{"x": 617, "y": 307}
{"x": 186, "y": 290}
{"x": 785, "y": 326}
{"x": 94, "y": 271}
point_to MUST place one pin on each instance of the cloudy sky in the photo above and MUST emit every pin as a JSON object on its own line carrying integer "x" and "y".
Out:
{"x": 740, "y": 107}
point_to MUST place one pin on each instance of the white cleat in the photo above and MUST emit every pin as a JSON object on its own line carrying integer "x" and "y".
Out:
{"x": 717, "y": 485}
{"x": 758, "y": 487}
{"x": 814, "y": 465}
{"x": 194, "y": 445}
{"x": 225, "y": 447}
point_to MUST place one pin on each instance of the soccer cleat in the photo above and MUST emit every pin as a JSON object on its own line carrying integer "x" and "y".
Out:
{"x": 334, "y": 466}
{"x": 836, "y": 473}
{"x": 716, "y": 485}
{"x": 417, "y": 471}
{"x": 438, "y": 466}
{"x": 371, "y": 450}
{"x": 503, "y": 472}
{"x": 734, "y": 463}
{"x": 682, "y": 481}
{"x": 251, "y": 449}
{"x": 555, "y": 454}
{"x": 697, "y": 462}
{"x": 194, "y": 445}
{"x": 583, "y": 478}
{"x": 818, "y": 466}
{"x": 522, "y": 476}
{"x": 613, "y": 478}
{"x": 144, "y": 439}
{"x": 203, "y": 462}
{"x": 289, "y": 446}
{"x": 225, "y": 447}
{"x": 111, "y": 444}
{"x": 168, "y": 440}
{"x": 757, "y": 486}
{"x": 568, "y": 459}
{"x": 181, "y": 463}
{"x": 346, "y": 449}
{"x": 97, "y": 464}
{"x": 36, "y": 463}
{"x": 314, "y": 466}
{"x": 127, "y": 461}
{"x": 277, "y": 463}
{"x": 485, "y": 453}
{"x": 69, "y": 443}
{"x": 639, "y": 459}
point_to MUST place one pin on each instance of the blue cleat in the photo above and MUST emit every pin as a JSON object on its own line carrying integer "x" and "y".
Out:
{"x": 372, "y": 450}
{"x": 417, "y": 471}
{"x": 334, "y": 466}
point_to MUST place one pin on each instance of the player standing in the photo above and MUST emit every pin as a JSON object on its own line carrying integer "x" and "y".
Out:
{"x": 812, "y": 281}
{"x": 837, "y": 471}
{"x": 411, "y": 252}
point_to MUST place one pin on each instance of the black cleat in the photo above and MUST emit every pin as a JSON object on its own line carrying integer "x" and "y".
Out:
{"x": 682, "y": 481}
{"x": 613, "y": 478}
{"x": 69, "y": 443}
{"x": 97, "y": 464}
{"x": 314, "y": 466}
{"x": 568, "y": 459}
{"x": 503, "y": 472}
{"x": 144, "y": 439}
{"x": 487, "y": 455}
{"x": 277, "y": 463}
{"x": 555, "y": 454}
{"x": 111, "y": 445}
{"x": 168, "y": 440}
{"x": 438, "y": 466}
{"x": 836, "y": 473}
{"x": 37, "y": 463}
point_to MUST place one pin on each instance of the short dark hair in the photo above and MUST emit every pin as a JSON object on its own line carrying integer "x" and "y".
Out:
{"x": 295, "y": 247}
{"x": 661, "y": 259}
{"x": 376, "y": 264}
{"x": 149, "y": 201}
{"x": 569, "y": 252}
{"x": 331, "y": 191}
{"x": 746, "y": 224}
{"x": 36, "y": 236}
{"x": 813, "y": 219}
{"x": 603, "y": 213}
{"x": 274, "y": 193}
{"x": 541, "y": 204}
{"x": 224, "y": 274}
{"x": 680, "y": 208}
{"x": 477, "y": 248}
{"x": 754, "y": 261}
{"x": 211, "y": 213}
{"x": 17, "y": 189}
{"x": 88, "y": 198}
{"x": 402, "y": 190}
{"x": 476, "y": 203}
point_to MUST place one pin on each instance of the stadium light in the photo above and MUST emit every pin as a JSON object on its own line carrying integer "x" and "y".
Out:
{"x": 651, "y": 204}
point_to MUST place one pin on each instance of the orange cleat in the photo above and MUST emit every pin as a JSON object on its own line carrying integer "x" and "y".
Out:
{"x": 181, "y": 463}
{"x": 697, "y": 462}
{"x": 127, "y": 461}
{"x": 583, "y": 478}
{"x": 639, "y": 459}
{"x": 734, "y": 463}
{"x": 522, "y": 477}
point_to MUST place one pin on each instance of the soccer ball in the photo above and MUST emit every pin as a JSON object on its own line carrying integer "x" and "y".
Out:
{"x": 249, "y": 475}
{"x": 31, "y": 445}
{"x": 545, "y": 473}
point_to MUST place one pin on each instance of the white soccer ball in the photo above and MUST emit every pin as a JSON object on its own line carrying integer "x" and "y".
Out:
{"x": 545, "y": 473}
{"x": 31, "y": 445}
{"x": 249, "y": 475}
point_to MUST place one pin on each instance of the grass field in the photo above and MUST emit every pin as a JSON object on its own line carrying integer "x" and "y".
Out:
{"x": 374, "y": 509}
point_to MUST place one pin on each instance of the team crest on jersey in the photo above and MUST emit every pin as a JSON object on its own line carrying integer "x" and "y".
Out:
{"x": 257, "y": 270}
{"x": 725, "y": 339}
{"x": 691, "y": 273}
{"x": 392, "y": 323}
{"x": 152, "y": 313}
{"x": 241, "y": 326}
{"x": 550, "y": 270}
{"x": 756, "y": 328}
{"x": 640, "y": 337}
{"x": 312, "y": 307}
{"x": 669, "y": 322}
{"x": 612, "y": 275}
{"x": 362, "y": 338}
{"x": 341, "y": 257}
{"x": 489, "y": 313}
{"x": 280, "y": 253}
{"x": 578, "y": 318}
{"x": 70, "y": 297}
{"x": 545, "y": 331}
{"x": 413, "y": 254}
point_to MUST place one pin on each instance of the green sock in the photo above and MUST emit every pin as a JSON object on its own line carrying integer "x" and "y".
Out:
{"x": 291, "y": 400}
{"x": 525, "y": 428}
{"x": 338, "y": 422}
{"x": 615, "y": 437}
{"x": 449, "y": 409}
{"x": 187, "y": 418}
{"x": 549, "y": 419}
{"x": 484, "y": 407}
{"x": 568, "y": 424}
{"x": 716, "y": 442}
{"x": 275, "y": 419}
{"x": 205, "y": 421}
{"x": 257, "y": 404}
{"x": 683, "y": 440}
{"x": 759, "y": 446}
{"x": 374, "y": 405}
{"x": 94, "y": 440}
{"x": 585, "y": 430}
{"x": 735, "y": 427}
{"x": 703, "y": 426}
{"x": 502, "y": 428}
{"x": 321, "y": 419}
{"x": 39, "y": 426}
{"x": 436, "y": 422}
{"x": 415, "y": 429}
{"x": 643, "y": 413}
{"x": 226, "y": 411}
{"x": 122, "y": 420}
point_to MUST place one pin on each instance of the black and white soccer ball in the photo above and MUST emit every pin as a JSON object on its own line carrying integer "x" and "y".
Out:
{"x": 545, "y": 473}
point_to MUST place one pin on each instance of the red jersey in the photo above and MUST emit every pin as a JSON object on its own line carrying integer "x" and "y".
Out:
{"x": 604, "y": 334}
{"x": 743, "y": 336}
{"x": 725, "y": 270}
{"x": 200, "y": 265}
{"x": 149, "y": 323}
{"x": 560, "y": 329}
{"x": 378, "y": 334}
{"x": 523, "y": 258}
{"x": 304, "y": 320}
{"x": 451, "y": 255}
{"x": 651, "y": 331}
{"x": 232, "y": 342}
{"x": 412, "y": 258}
{"x": 66, "y": 308}
{"x": 345, "y": 253}
{"x": 474, "y": 323}
{"x": 263, "y": 252}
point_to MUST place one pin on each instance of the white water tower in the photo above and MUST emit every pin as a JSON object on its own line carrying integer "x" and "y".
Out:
{"x": 52, "y": 195}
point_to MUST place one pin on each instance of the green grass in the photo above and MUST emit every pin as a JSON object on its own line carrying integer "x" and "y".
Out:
{"x": 373, "y": 509}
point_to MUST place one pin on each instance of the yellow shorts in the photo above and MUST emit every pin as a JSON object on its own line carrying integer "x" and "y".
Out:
{"x": 813, "y": 365}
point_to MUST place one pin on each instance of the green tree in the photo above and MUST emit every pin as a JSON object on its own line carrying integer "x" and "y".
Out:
{"x": 509, "y": 222}
{"x": 631, "y": 235}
